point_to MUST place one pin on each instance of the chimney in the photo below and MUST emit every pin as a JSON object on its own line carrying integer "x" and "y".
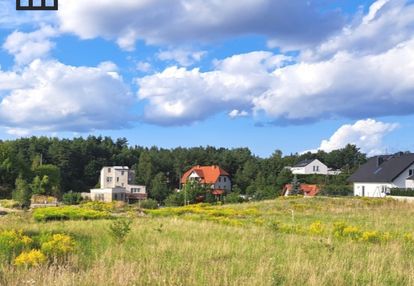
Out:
{"x": 380, "y": 160}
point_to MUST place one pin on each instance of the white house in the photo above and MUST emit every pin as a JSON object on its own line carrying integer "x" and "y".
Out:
{"x": 312, "y": 166}
{"x": 116, "y": 185}
{"x": 215, "y": 177}
{"x": 380, "y": 173}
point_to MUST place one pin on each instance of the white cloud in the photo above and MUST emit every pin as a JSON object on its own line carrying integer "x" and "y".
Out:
{"x": 180, "y": 96}
{"x": 27, "y": 47}
{"x": 366, "y": 134}
{"x": 387, "y": 24}
{"x": 183, "y": 57}
{"x": 182, "y": 21}
{"x": 51, "y": 96}
{"x": 347, "y": 84}
{"x": 144, "y": 67}
{"x": 238, "y": 113}
{"x": 11, "y": 19}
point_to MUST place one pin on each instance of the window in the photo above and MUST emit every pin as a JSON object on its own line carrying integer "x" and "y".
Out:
{"x": 115, "y": 196}
{"x": 363, "y": 191}
{"x": 122, "y": 173}
{"x": 122, "y": 184}
{"x": 410, "y": 172}
{"x": 117, "y": 179}
{"x": 109, "y": 170}
{"x": 108, "y": 179}
{"x": 225, "y": 179}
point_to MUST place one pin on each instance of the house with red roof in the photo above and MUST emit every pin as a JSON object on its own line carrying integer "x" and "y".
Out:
{"x": 214, "y": 177}
{"x": 308, "y": 190}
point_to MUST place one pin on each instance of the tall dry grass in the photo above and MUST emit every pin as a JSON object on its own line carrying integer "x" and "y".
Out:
{"x": 189, "y": 250}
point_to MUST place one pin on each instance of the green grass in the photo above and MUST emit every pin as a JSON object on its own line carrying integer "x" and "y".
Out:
{"x": 282, "y": 242}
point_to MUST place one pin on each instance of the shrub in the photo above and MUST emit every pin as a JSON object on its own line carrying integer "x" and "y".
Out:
{"x": 72, "y": 198}
{"x": 401, "y": 192}
{"x": 233, "y": 198}
{"x": 32, "y": 258}
{"x": 316, "y": 228}
{"x": 174, "y": 200}
{"x": 336, "y": 190}
{"x": 59, "y": 245}
{"x": 99, "y": 206}
{"x": 120, "y": 228}
{"x": 68, "y": 213}
{"x": 9, "y": 204}
{"x": 149, "y": 204}
{"x": 13, "y": 242}
{"x": 371, "y": 236}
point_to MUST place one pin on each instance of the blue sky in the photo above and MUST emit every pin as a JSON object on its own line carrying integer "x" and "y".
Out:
{"x": 265, "y": 74}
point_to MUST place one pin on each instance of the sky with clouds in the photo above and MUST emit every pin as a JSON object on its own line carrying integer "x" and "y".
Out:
{"x": 263, "y": 74}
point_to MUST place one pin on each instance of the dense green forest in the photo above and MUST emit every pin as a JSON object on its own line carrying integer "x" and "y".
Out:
{"x": 57, "y": 166}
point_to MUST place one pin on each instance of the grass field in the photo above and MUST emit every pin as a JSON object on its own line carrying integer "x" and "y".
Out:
{"x": 296, "y": 241}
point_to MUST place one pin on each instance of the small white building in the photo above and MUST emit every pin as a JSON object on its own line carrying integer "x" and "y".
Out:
{"x": 380, "y": 173}
{"x": 116, "y": 185}
{"x": 312, "y": 166}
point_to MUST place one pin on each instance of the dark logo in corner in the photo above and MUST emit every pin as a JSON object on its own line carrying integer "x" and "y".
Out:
{"x": 36, "y": 5}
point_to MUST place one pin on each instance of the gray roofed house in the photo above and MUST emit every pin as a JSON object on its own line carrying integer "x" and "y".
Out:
{"x": 312, "y": 166}
{"x": 380, "y": 173}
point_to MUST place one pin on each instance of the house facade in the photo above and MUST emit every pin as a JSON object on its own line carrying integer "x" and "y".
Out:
{"x": 311, "y": 166}
{"x": 214, "y": 177}
{"x": 380, "y": 173}
{"x": 116, "y": 185}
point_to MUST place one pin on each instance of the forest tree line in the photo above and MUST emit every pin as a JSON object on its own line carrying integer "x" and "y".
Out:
{"x": 57, "y": 166}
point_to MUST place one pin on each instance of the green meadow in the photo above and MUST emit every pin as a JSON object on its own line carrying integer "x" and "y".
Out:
{"x": 287, "y": 241}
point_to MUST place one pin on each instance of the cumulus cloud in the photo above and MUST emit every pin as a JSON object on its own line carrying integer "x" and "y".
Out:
{"x": 11, "y": 19}
{"x": 51, "y": 96}
{"x": 183, "y": 57}
{"x": 27, "y": 47}
{"x": 366, "y": 134}
{"x": 178, "y": 21}
{"x": 238, "y": 113}
{"x": 388, "y": 23}
{"x": 179, "y": 96}
{"x": 347, "y": 84}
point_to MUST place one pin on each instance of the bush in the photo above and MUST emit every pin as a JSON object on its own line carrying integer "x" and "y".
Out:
{"x": 9, "y": 204}
{"x": 72, "y": 198}
{"x": 149, "y": 204}
{"x": 120, "y": 228}
{"x": 12, "y": 242}
{"x": 31, "y": 258}
{"x": 336, "y": 190}
{"x": 233, "y": 198}
{"x": 175, "y": 200}
{"x": 402, "y": 192}
{"x": 58, "y": 246}
{"x": 68, "y": 213}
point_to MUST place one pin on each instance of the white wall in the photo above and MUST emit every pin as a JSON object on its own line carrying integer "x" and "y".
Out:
{"x": 401, "y": 180}
{"x": 309, "y": 169}
{"x": 224, "y": 183}
{"x": 376, "y": 190}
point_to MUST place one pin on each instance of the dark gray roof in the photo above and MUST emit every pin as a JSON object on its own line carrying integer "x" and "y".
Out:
{"x": 411, "y": 177}
{"x": 383, "y": 169}
{"x": 304, "y": 163}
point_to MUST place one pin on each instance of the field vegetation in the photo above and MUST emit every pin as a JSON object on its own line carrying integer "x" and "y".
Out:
{"x": 287, "y": 241}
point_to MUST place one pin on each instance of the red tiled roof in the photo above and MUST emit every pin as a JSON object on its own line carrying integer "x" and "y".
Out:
{"x": 217, "y": 192}
{"x": 208, "y": 174}
{"x": 308, "y": 190}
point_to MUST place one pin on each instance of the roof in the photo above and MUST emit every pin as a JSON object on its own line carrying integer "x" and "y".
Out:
{"x": 304, "y": 163}
{"x": 383, "y": 169}
{"x": 208, "y": 174}
{"x": 309, "y": 190}
{"x": 411, "y": 177}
